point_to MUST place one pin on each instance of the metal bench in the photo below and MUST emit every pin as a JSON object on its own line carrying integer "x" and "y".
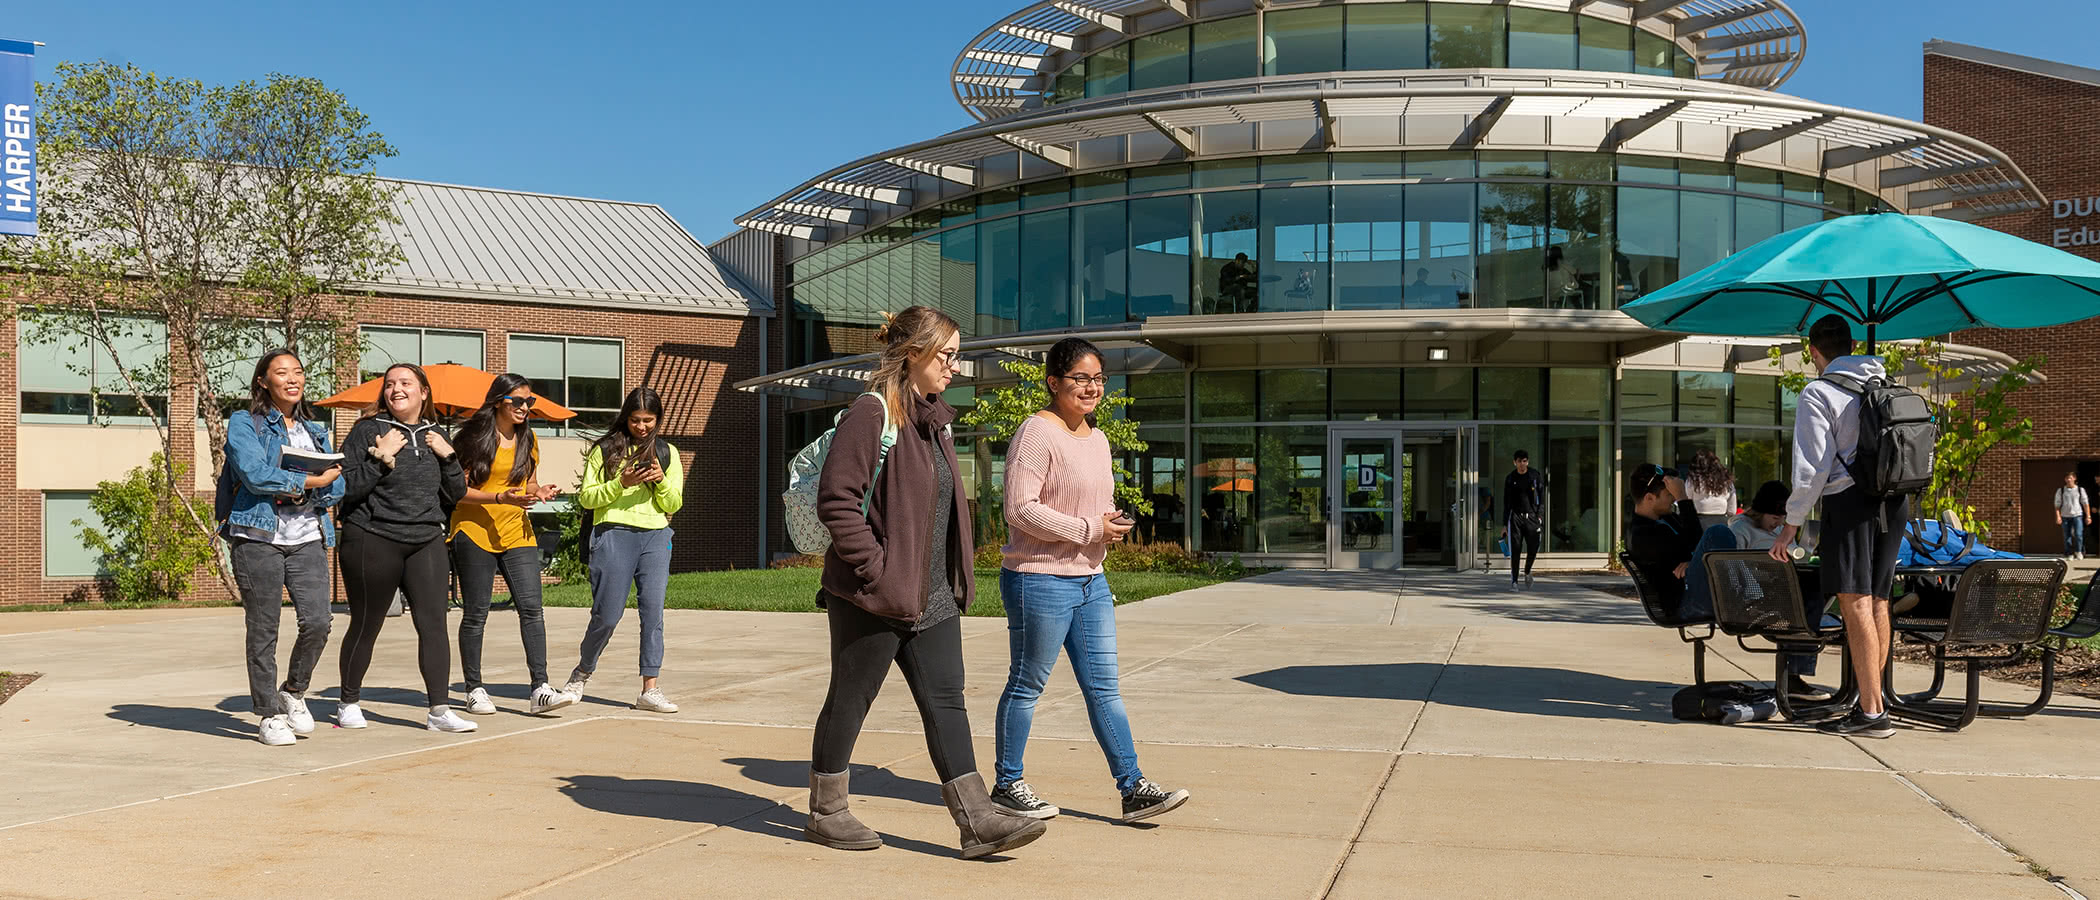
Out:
{"x": 1997, "y": 602}
{"x": 1670, "y": 618}
{"x": 1756, "y": 596}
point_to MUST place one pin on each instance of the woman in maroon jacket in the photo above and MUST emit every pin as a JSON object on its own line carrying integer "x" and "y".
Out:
{"x": 896, "y": 580}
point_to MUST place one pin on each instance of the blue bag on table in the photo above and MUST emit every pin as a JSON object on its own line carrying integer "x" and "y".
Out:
{"x": 1930, "y": 542}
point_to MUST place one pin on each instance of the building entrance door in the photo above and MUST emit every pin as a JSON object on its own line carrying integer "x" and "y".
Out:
{"x": 1403, "y": 496}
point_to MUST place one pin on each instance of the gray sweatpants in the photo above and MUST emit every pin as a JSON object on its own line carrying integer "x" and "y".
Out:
{"x": 620, "y": 557}
{"x": 264, "y": 572}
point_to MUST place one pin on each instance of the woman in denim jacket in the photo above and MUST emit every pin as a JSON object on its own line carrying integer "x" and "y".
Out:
{"x": 277, "y": 528}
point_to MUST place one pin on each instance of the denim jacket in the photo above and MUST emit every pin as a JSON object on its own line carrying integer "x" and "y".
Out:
{"x": 252, "y": 483}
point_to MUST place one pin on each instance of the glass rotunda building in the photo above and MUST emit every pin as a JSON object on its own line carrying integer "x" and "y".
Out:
{"x": 1348, "y": 256}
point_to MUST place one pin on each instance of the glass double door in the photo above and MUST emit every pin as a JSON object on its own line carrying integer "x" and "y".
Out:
{"x": 1403, "y": 496}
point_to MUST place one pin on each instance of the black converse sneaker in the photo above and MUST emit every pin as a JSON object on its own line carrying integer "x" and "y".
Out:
{"x": 1859, "y": 724}
{"x": 1019, "y": 799}
{"x": 1148, "y": 800}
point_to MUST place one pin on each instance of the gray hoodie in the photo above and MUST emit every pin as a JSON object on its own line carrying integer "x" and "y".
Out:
{"x": 1826, "y": 435}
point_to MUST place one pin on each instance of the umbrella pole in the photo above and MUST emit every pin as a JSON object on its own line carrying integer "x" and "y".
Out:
{"x": 1870, "y": 339}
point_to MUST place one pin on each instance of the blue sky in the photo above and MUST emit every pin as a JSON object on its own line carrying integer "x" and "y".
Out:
{"x": 710, "y": 108}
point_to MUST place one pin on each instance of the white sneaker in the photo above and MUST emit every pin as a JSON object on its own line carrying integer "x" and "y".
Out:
{"x": 442, "y": 718}
{"x": 302, "y": 719}
{"x": 478, "y": 702}
{"x": 347, "y": 715}
{"x": 577, "y": 679}
{"x": 546, "y": 699}
{"x": 652, "y": 700}
{"x": 275, "y": 732}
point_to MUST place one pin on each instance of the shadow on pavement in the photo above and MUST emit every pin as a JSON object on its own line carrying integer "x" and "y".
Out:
{"x": 1518, "y": 689}
{"x": 187, "y": 718}
{"x": 705, "y": 804}
{"x": 1585, "y": 608}
{"x": 867, "y": 781}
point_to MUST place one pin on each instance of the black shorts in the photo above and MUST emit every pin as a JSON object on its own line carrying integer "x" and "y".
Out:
{"x": 1861, "y": 536}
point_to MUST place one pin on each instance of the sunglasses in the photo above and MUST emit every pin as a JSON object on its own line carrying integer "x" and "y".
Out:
{"x": 1647, "y": 477}
{"x": 521, "y": 402}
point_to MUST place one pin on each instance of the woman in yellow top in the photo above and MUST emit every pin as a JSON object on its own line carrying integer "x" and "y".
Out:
{"x": 490, "y": 532}
{"x": 632, "y": 482}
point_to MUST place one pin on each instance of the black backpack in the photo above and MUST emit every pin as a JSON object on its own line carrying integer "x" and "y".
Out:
{"x": 1897, "y": 437}
{"x": 1704, "y": 702}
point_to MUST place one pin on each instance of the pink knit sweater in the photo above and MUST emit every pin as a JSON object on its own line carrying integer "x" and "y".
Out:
{"x": 1057, "y": 488}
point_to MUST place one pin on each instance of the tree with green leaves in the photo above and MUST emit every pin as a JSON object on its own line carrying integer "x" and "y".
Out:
{"x": 1001, "y": 411}
{"x": 218, "y": 220}
{"x": 1975, "y": 415}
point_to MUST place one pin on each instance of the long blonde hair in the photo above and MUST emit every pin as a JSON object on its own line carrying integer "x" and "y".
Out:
{"x": 907, "y": 337}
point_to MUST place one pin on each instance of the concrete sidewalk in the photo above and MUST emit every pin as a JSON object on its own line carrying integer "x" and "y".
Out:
{"x": 1344, "y": 734}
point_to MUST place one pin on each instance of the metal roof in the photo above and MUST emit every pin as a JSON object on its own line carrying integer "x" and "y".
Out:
{"x": 1922, "y": 168}
{"x": 484, "y": 243}
{"x": 1006, "y": 69}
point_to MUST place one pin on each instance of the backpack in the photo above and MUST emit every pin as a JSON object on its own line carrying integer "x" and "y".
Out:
{"x": 583, "y": 533}
{"x": 1704, "y": 702}
{"x": 800, "y": 498}
{"x": 1897, "y": 437}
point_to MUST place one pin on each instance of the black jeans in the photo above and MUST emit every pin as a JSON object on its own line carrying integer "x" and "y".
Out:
{"x": 862, "y": 647}
{"x": 477, "y": 570}
{"x": 1524, "y": 539}
{"x": 264, "y": 571}
{"x": 373, "y": 567}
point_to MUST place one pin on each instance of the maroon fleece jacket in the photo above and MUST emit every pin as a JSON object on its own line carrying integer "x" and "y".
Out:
{"x": 879, "y": 562}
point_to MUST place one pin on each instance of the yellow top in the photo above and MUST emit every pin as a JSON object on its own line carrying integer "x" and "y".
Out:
{"x": 496, "y": 527}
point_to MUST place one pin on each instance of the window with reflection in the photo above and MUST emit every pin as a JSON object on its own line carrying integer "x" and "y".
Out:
{"x": 1100, "y": 185}
{"x": 1294, "y": 167}
{"x": 1160, "y": 60}
{"x": 1467, "y": 37}
{"x": 1290, "y": 487}
{"x": 1703, "y": 396}
{"x": 1647, "y": 234}
{"x": 1513, "y": 221}
{"x": 1100, "y": 263}
{"x": 1646, "y": 395}
{"x": 1756, "y": 400}
{"x": 1159, "y": 257}
{"x": 1293, "y": 249}
{"x": 1366, "y": 394}
{"x": 1388, "y": 36}
{"x": 1108, "y": 71}
{"x": 1518, "y": 394}
{"x": 1705, "y": 230}
{"x": 1370, "y": 246}
{"x": 1161, "y": 472}
{"x": 1230, "y": 271}
{"x": 998, "y": 275}
{"x": 958, "y": 275}
{"x": 1297, "y": 41}
{"x": 1759, "y": 455}
{"x": 1224, "y": 397}
{"x": 1045, "y": 300}
{"x": 1211, "y": 173}
{"x": 1171, "y": 176}
{"x": 1606, "y": 46}
{"x": 1542, "y": 39}
{"x": 1580, "y": 265}
{"x": 1579, "y": 394}
{"x": 1046, "y": 193}
{"x": 1223, "y": 50}
{"x": 1069, "y": 85}
{"x": 1439, "y": 221}
{"x": 1293, "y": 395}
{"x": 1157, "y": 398}
{"x": 1224, "y": 469}
{"x": 1373, "y": 165}
{"x": 1579, "y": 488}
{"x": 1438, "y": 393}
{"x": 1653, "y": 54}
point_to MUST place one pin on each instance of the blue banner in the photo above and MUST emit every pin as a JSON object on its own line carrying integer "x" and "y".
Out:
{"x": 17, "y": 138}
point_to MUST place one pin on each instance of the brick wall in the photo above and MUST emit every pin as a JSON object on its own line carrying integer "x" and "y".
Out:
{"x": 691, "y": 359}
{"x": 2051, "y": 128}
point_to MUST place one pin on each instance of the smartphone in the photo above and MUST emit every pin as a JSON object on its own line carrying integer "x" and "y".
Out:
{"x": 1123, "y": 517}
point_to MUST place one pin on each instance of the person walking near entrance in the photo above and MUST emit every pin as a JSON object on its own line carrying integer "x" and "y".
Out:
{"x": 275, "y": 519}
{"x": 897, "y": 578}
{"x": 1861, "y": 534}
{"x": 633, "y": 481}
{"x": 1524, "y": 517}
{"x": 1061, "y": 515}
{"x": 490, "y": 531}
{"x": 401, "y": 477}
{"x": 2073, "y": 513}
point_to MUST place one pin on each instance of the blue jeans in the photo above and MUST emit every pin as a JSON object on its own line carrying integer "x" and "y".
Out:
{"x": 620, "y": 557}
{"x": 2074, "y": 535}
{"x": 1077, "y": 613}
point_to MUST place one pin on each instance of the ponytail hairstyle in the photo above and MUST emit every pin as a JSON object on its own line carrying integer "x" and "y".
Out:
{"x": 429, "y": 411}
{"x": 259, "y": 402}
{"x": 618, "y": 448}
{"x": 908, "y": 338}
{"x": 1064, "y": 356}
{"x": 479, "y": 439}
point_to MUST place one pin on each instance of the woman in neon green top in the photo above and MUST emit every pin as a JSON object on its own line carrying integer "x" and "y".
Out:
{"x": 632, "y": 482}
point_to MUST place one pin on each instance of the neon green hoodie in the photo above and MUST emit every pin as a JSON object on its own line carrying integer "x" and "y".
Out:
{"x": 643, "y": 506}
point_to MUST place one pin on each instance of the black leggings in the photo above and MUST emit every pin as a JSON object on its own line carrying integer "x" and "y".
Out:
{"x": 373, "y": 567}
{"x": 862, "y": 647}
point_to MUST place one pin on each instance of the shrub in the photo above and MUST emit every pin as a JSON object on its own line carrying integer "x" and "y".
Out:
{"x": 150, "y": 548}
{"x": 567, "y": 564}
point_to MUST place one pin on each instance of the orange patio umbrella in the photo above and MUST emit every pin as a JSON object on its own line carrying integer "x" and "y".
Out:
{"x": 1239, "y": 485}
{"x": 455, "y": 390}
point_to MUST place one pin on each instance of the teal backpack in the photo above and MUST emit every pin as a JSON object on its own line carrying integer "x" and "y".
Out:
{"x": 800, "y": 498}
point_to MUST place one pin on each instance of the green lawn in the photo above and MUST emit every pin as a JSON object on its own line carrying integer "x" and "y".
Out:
{"x": 795, "y": 590}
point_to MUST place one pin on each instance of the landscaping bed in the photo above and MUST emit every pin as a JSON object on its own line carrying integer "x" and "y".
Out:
{"x": 13, "y": 682}
{"x": 795, "y": 590}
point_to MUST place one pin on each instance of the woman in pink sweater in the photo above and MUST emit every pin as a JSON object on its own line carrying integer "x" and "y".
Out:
{"x": 1061, "y": 514}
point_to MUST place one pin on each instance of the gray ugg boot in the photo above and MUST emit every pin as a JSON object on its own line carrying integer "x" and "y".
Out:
{"x": 986, "y": 829}
{"x": 830, "y": 822}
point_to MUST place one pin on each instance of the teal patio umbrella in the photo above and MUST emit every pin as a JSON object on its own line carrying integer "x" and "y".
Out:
{"x": 1898, "y": 276}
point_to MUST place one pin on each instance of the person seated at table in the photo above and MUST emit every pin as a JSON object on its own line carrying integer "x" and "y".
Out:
{"x": 1663, "y": 534}
{"x": 1757, "y": 528}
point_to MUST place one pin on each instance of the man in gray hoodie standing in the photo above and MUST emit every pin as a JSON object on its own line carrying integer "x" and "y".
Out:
{"x": 1861, "y": 534}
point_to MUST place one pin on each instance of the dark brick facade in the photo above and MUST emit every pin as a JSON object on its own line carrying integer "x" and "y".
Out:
{"x": 2050, "y": 127}
{"x": 692, "y": 359}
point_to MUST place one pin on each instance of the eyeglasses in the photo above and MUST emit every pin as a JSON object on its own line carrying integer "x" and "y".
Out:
{"x": 521, "y": 402}
{"x": 1085, "y": 381}
{"x": 948, "y": 357}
